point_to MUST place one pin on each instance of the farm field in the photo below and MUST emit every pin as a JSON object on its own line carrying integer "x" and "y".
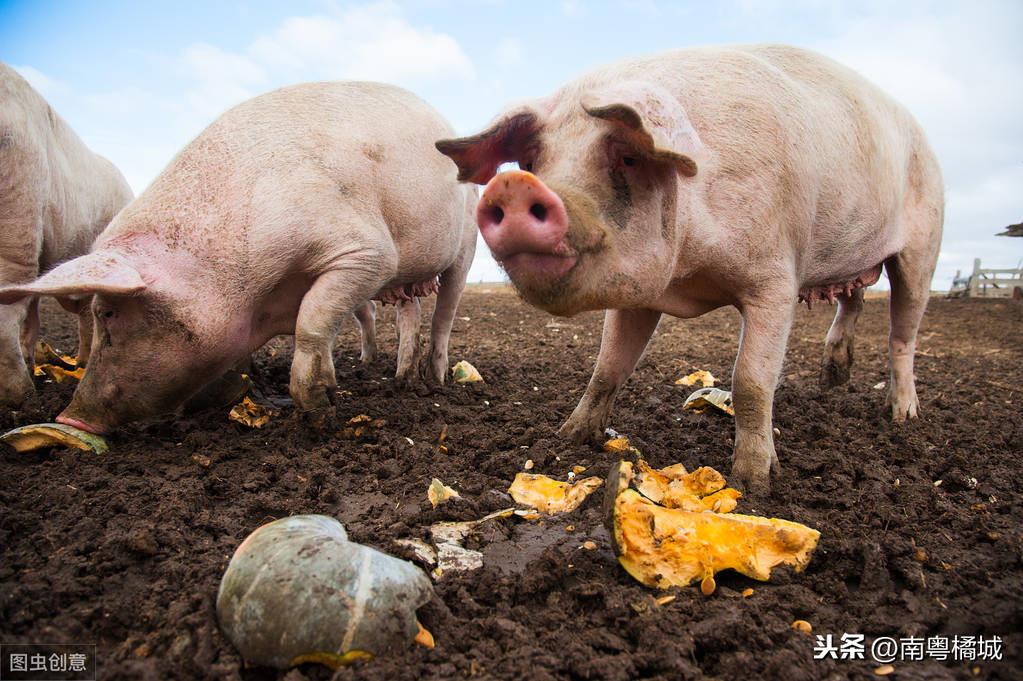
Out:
{"x": 920, "y": 522}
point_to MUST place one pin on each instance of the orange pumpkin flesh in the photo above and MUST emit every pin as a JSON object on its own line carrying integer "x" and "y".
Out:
{"x": 691, "y": 534}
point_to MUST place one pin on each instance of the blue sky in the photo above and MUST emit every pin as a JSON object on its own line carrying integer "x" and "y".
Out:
{"x": 138, "y": 80}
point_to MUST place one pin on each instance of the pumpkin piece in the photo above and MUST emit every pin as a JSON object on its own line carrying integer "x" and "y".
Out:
{"x": 551, "y": 496}
{"x": 39, "y": 435}
{"x": 666, "y": 547}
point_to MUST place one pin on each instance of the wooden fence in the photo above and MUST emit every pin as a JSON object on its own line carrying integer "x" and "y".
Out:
{"x": 984, "y": 283}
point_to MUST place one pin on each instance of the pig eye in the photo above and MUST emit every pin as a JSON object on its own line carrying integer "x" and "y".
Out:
{"x": 629, "y": 160}
{"x": 107, "y": 314}
{"x": 529, "y": 167}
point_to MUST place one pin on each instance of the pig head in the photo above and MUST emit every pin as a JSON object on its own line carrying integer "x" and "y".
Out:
{"x": 147, "y": 356}
{"x": 611, "y": 167}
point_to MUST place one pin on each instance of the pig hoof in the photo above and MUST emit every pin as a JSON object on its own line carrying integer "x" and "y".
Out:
{"x": 750, "y": 482}
{"x": 904, "y": 403}
{"x": 750, "y": 475}
{"x": 313, "y": 398}
{"x": 833, "y": 374}
{"x": 321, "y": 419}
{"x": 407, "y": 380}
{"x": 15, "y": 396}
{"x": 367, "y": 356}
{"x": 578, "y": 434}
{"x": 434, "y": 369}
{"x": 904, "y": 411}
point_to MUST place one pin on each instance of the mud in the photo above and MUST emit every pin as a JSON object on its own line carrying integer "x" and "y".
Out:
{"x": 126, "y": 550}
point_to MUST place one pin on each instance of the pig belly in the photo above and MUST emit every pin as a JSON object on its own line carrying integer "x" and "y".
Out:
{"x": 842, "y": 287}
{"x": 419, "y": 289}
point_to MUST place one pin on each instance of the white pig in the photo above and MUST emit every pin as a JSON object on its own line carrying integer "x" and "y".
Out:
{"x": 284, "y": 216}
{"x": 751, "y": 176}
{"x": 56, "y": 196}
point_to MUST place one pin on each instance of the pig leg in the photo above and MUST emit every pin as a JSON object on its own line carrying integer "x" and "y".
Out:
{"x": 83, "y": 309}
{"x": 409, "y": 314}
{"x": 765, "y": 330}
{"x": 333, "y": 296}
{"x": 838, "y": 348}
{"x": 85, "y": 331}
{"x": 625, "y": 337}
{"x": 15, "y": 380}
{"x": 30, "y": 333}
{"x": 452, "y": 284}
{"x": 366, "y": 316}
{"x": 909, "y": 273}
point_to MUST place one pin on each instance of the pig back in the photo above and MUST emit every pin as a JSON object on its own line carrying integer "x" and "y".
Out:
{"x": 802, "y": 153}
{"x": 290, "y": 179}
{"x": 56, "y": 195}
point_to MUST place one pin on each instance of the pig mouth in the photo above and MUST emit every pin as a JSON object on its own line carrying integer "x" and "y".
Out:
{"x": 538, "y": 268}
{"x": 80, "y": 425}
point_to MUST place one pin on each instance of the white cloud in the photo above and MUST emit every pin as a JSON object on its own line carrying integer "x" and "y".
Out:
{"x": 369, "y": 42}
{"x": 372, "y": 42}
{"x": 224, "y": 78}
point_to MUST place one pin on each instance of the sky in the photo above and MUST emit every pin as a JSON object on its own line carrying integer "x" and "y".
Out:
{"x": 138, "y": 80}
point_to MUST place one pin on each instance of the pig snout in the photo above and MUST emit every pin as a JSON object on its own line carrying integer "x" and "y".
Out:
{"x": 525, "y": 225}
{"x": 80, "y": 424}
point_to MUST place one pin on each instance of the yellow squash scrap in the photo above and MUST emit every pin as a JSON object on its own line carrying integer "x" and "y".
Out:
{"x": 551, "y": 496}
{"x": 333, "y": 660}
{"x": 704, "y": 378}
{"x": 463, "y": 372}
{"x": 703, "y": 399}
{"x": 424, "y": 637}
{"x": 617, "y": 445}
{"x": 665, "y": 547}
{"x": 46, "y": 353}
{"x": 39, "y": 435}
{"x": 55, "y": 364}
{"x": 59, "y": 373}
{"x": 675, "y": 488}
{"x": 438, "y": 493}
{"x": 360, "y": 425}
{"x": 723, "y": 501}
{"x": 441, "y": 447}
{"x": 250, "y": 414}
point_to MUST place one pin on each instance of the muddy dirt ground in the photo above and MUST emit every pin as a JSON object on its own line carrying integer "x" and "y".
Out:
{"x": 126, "y": 550}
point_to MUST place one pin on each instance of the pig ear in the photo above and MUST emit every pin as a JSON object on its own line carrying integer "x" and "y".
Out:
{"x": 653, "y": 120}
{"x": 101, "y": 272}
{"x": 478, "y": 156}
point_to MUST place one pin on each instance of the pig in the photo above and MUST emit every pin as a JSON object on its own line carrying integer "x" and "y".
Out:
{"x": 285, "y": 216}
{"x": 752, "y": 176}
{"x": 56, "y": 196}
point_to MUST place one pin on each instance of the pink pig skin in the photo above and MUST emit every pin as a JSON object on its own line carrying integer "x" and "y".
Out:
{"x": 284, "y": 216}
{"x": 751, "y": 176}
{"x": 56, "y": 196}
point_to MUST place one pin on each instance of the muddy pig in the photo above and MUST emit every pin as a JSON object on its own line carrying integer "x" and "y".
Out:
{"x": 284, "y": 216}
{"x": 750, "y": 176}
{"x": 56, "y": 196}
